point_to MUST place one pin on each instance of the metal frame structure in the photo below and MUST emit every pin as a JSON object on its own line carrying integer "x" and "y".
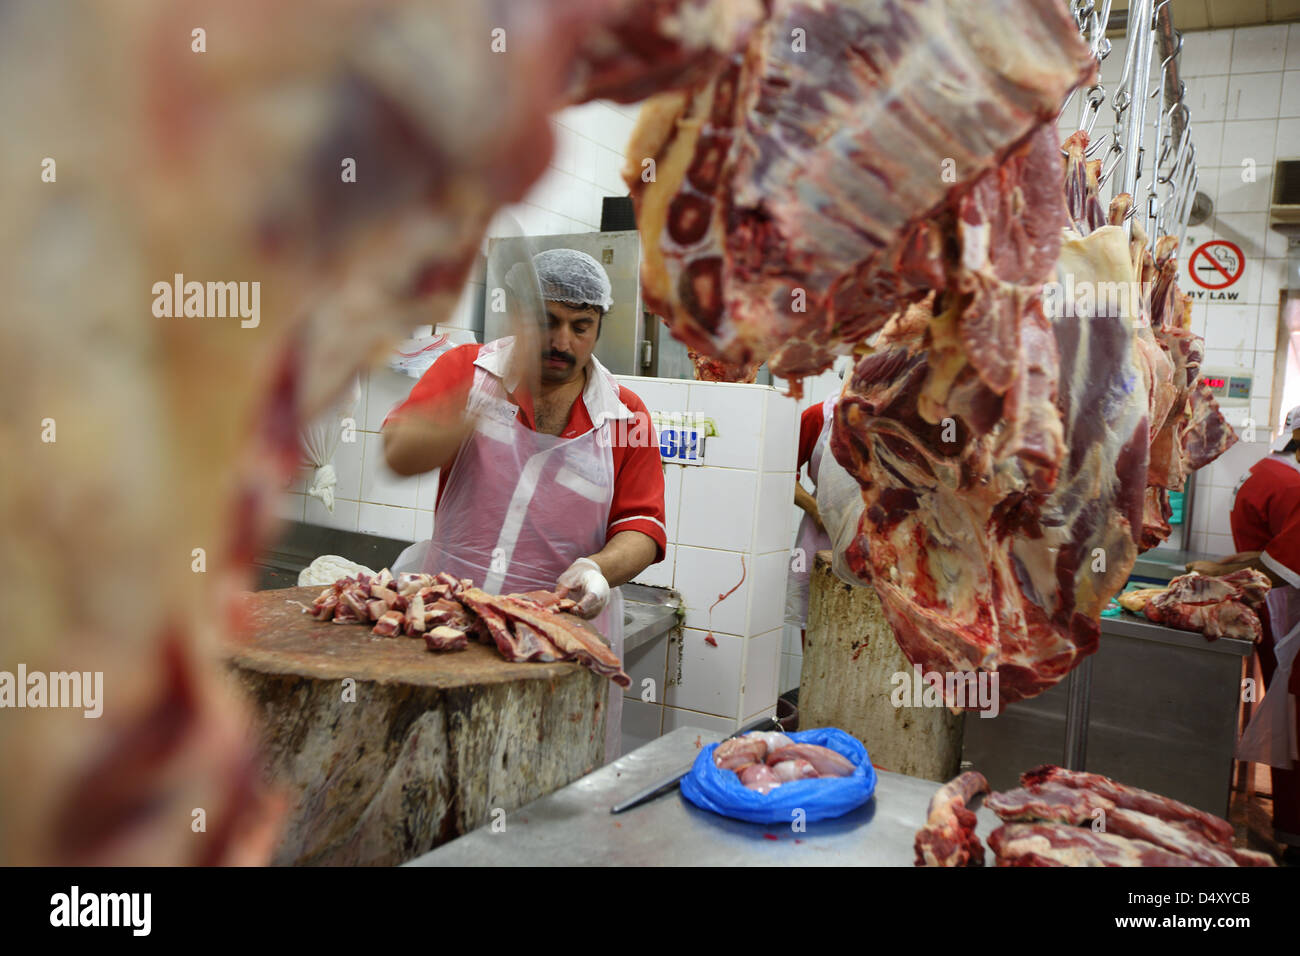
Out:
{"x": 1170, "y": 189}
{"x": 1163, "y": 194}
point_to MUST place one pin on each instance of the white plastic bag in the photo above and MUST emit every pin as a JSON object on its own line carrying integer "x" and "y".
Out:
{"x": 320, "y": 440}
{"x": 327, "y": 569}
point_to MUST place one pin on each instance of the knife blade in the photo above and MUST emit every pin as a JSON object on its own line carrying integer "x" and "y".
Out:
{"x": 670, "y": 782}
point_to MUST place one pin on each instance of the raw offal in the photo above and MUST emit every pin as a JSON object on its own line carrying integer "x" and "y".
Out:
{"x": 760, "y": 777}
{"x": 446, "y": 611}
{"x": 774, "y": 739}
{"x": 766, "y": 759}
{"x": 948, "y": 837}
{"x": 739, "y": 752}
{"x": 825, "y": 761}
{"x": 793, "y": 204}
{"x": 790, "y": 770}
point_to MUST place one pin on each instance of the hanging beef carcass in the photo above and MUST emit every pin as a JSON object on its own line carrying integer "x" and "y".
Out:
{"x": 992, "y": 545}
{"x": 337, "y": 162}
{"x": 788, "y": 206}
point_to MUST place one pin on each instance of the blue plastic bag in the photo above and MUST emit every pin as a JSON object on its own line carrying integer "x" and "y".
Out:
{"x": 820, "y": 798}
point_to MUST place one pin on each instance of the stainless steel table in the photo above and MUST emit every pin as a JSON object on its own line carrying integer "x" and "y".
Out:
{"x": 1161, "y": 714}
{"x": 573, "y": 826}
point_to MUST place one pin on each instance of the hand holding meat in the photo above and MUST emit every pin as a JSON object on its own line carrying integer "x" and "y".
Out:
{"x": 584, "y": 583}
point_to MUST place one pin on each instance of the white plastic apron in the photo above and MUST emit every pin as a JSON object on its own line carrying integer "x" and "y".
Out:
{"x": 1270, "y": 737}
{"x": 810, "y": 538}
{"x": 520, "y": 506}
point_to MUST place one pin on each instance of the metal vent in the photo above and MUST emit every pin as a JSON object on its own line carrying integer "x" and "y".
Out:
{"x": 1286, "y": 183}
{"x": 616, "y": 214}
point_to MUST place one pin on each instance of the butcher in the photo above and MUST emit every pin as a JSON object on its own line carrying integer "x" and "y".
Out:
{"x": 814, "y": 433}
{"x": 549, "y": 470}
{"x": 1265, "y": 521}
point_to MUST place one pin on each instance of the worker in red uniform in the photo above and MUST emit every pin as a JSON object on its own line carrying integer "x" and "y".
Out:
{"x": 550, "y": 475}
{"x": 1266, "y": 532}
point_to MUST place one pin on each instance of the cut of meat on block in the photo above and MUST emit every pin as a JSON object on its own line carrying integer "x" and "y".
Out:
{"x": 1057, "y": 844}
{"x": 408, "y": 761}
{"x": 570, "y": 635}
{"x": 1215, "y": 829}
{"x": 445, "y": 639}
{"x": 948, "y": 837}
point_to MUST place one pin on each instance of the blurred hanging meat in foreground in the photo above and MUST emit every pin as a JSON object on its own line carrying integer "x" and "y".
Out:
{"x": 202, "y": 141}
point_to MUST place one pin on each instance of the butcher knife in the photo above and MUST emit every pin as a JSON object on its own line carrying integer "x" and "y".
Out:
{"x": 670, "y": 783}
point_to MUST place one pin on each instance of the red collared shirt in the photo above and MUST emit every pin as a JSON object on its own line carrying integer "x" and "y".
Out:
{"x": 638, "y": 501}
{"x": 1266, "y": 517}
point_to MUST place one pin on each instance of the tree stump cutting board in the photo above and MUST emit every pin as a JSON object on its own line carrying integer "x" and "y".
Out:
{"x": 850, "y": 659}
{"x": 387, "y": 749}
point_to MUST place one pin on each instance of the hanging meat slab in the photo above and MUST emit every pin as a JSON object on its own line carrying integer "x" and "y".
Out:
{"x": 787, "y": 206}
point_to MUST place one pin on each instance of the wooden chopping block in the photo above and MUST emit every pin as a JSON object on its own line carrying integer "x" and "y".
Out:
{"x": 850, "y": 657}
{"x": 431, "y": 745}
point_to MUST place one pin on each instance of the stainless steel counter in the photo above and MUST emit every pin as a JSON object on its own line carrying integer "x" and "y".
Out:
{"x": 573, "y": 826}
{"x": 648, "y": 613}
{"x": 1162, "y": 715}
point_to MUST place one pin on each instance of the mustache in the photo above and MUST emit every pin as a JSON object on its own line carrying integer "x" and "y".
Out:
{"x": 560, "y": 356}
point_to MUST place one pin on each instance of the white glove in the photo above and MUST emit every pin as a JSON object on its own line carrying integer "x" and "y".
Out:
{"x": 583, "y": 582}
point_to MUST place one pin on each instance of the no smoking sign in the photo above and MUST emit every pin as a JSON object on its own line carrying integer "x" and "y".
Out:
{"x": 1216, "y": 264}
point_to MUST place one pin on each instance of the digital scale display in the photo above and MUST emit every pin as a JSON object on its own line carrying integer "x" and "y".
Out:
{"x": 1232, "y": 386}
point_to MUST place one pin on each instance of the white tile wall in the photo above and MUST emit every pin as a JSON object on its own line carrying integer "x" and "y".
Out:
{"x": 718, "y": 507}
{"x": 762, "y": 673}
{"x": 1244, "y": 92}
{"x": 711, "y": 675}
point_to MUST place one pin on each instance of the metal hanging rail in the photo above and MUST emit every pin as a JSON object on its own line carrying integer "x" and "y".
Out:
{"x": 1142, "y": 129}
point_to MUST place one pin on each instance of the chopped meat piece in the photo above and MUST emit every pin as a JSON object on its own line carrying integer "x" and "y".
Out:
{"x": 389, "y": 624}
{"x": 1057, "y": 844}
{"x": 445, "y": 639}
{"x": 948, "y": 837}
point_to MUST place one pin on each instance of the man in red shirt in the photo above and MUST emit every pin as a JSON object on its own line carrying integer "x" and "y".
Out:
{"x": 550, "y": 475}
{"x": 1266, "y": 532}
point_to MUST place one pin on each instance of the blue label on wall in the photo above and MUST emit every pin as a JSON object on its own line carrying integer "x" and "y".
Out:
{"x": 682, "y": 446}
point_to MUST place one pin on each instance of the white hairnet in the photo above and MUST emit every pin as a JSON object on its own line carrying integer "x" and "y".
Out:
{"x": 567, "y": 275}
